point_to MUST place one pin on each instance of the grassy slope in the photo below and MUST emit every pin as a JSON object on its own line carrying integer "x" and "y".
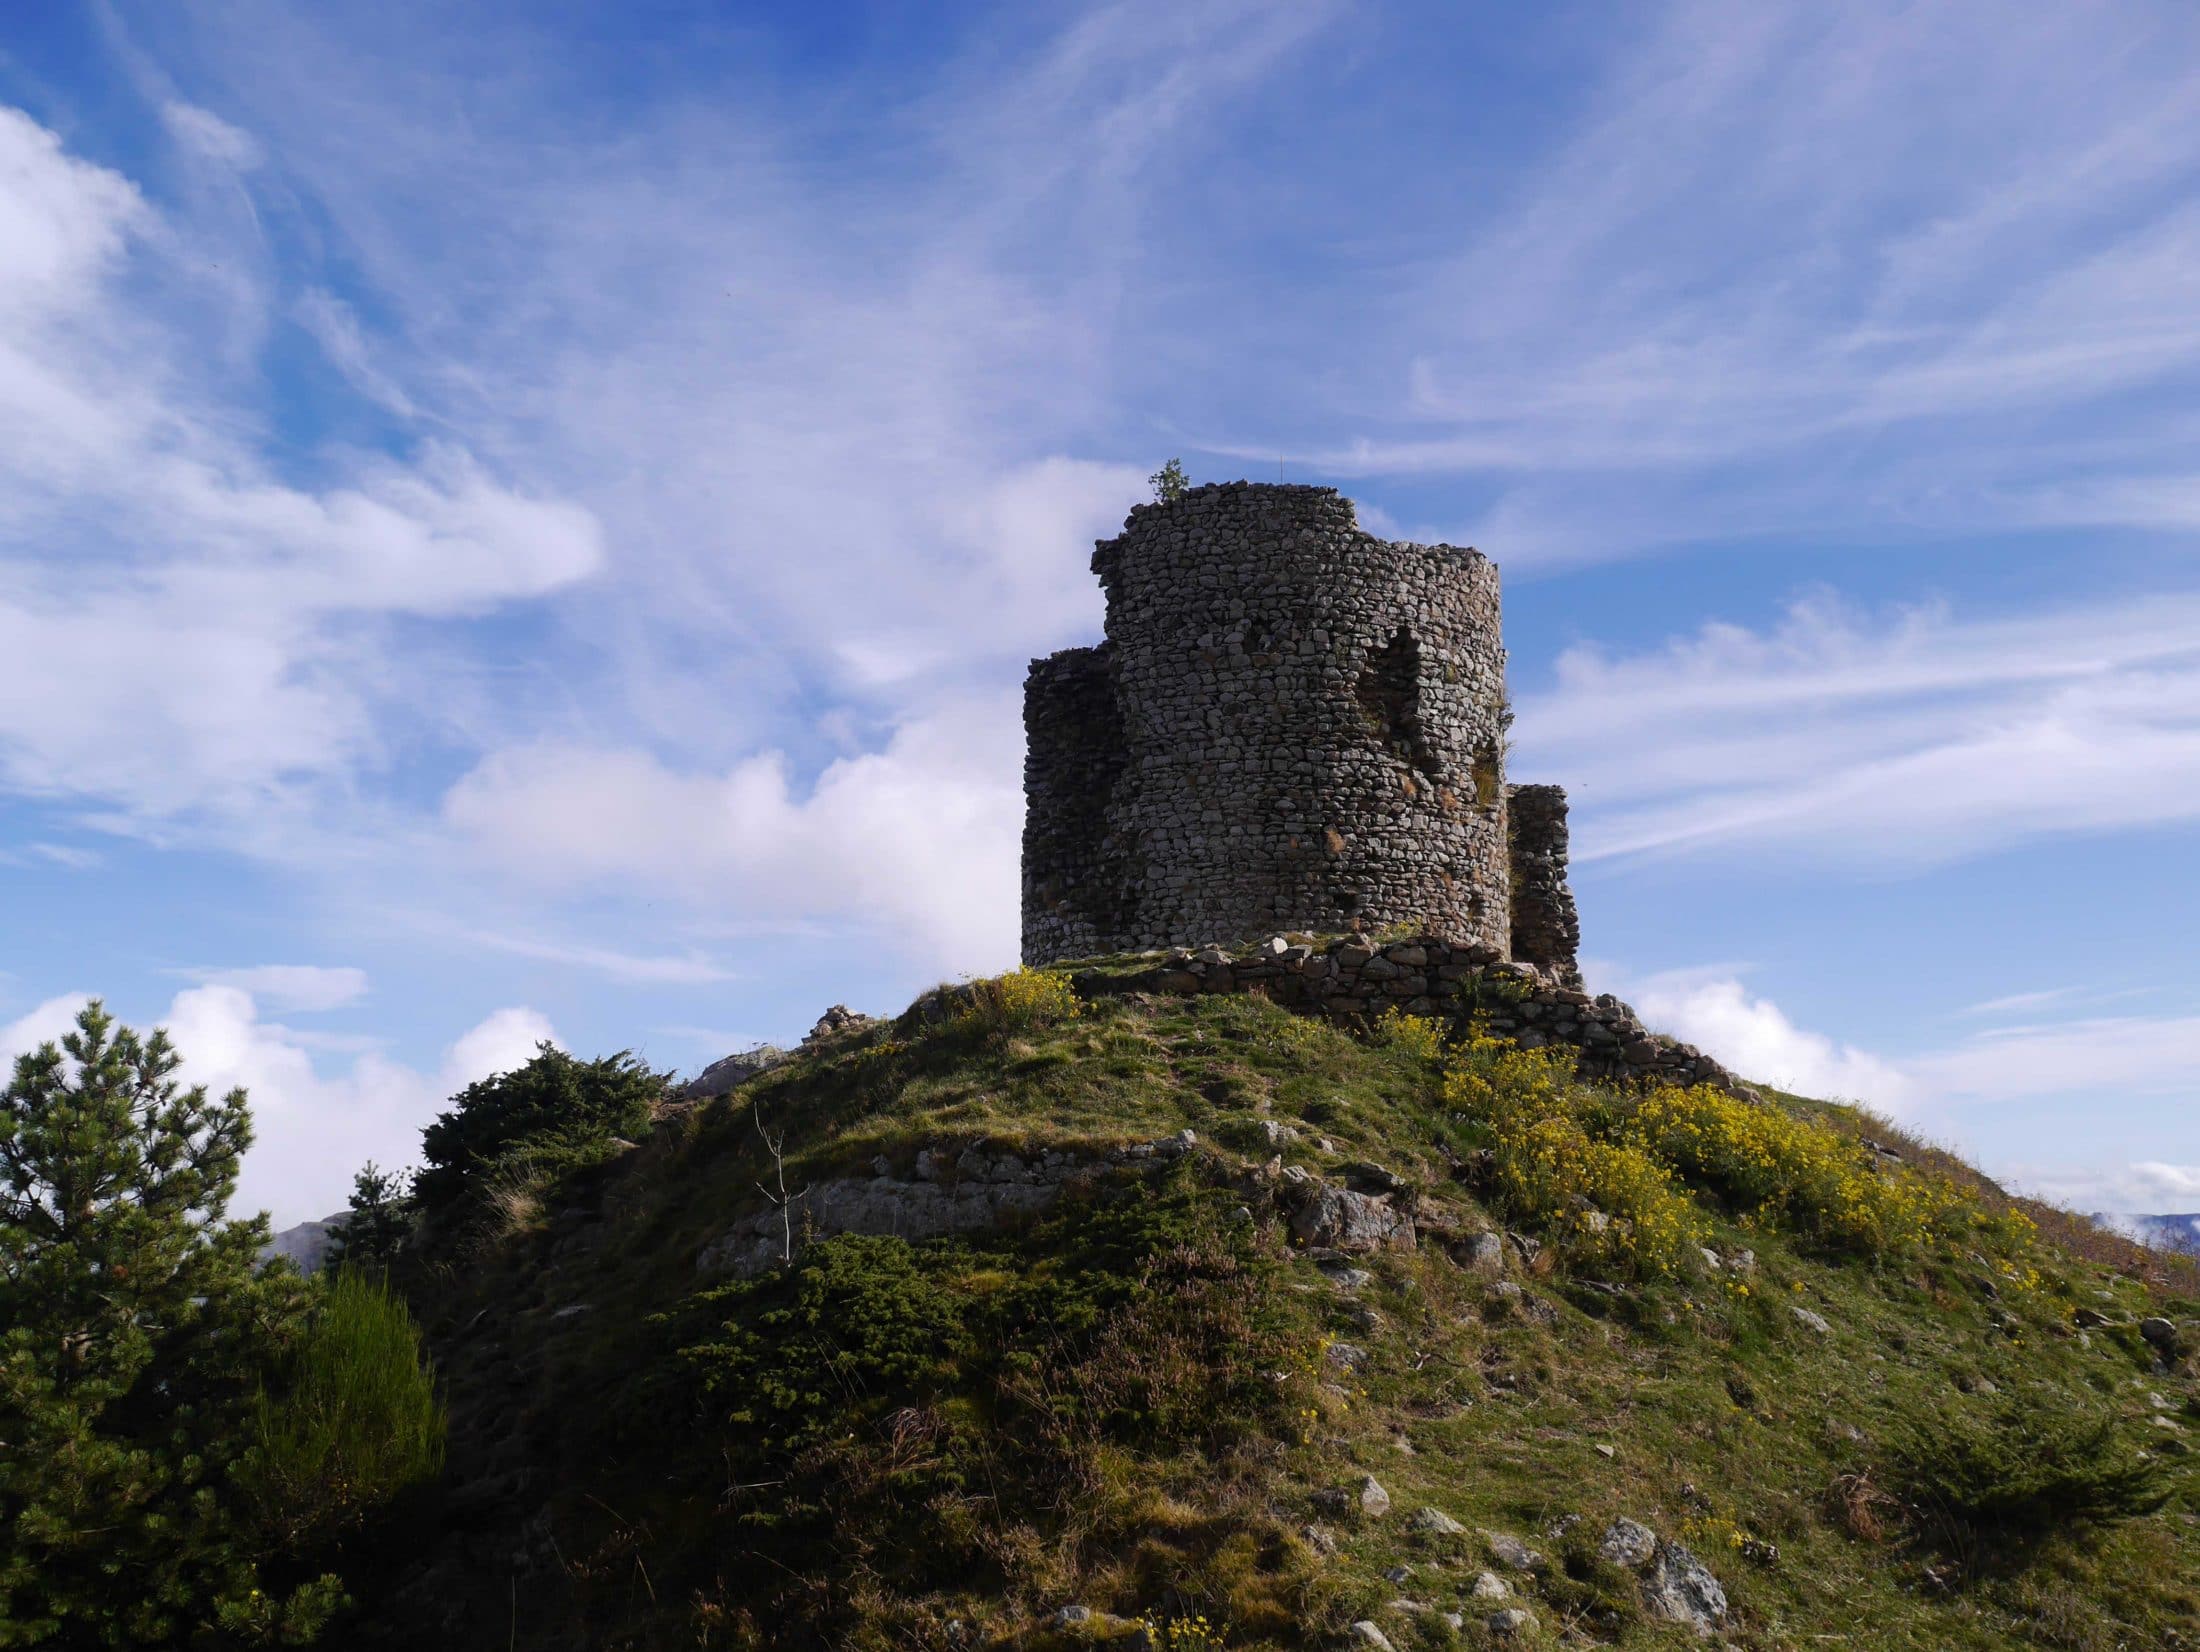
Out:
{"x": 941, "y": 1491}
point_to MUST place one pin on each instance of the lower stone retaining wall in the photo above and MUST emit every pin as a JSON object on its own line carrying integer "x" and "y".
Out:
{"x": 1354, "y": 979}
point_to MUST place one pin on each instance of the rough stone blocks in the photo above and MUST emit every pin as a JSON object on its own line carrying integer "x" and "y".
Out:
{"x": 1292, "y": 726}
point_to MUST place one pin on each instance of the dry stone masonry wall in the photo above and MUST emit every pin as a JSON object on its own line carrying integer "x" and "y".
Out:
{"x": 1545, "y": 930}
{"x": 1292, "y": 725}
{"x": 1355, "y": 980}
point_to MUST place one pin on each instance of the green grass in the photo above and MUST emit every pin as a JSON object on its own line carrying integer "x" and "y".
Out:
{"x": 1134, "y": 1404}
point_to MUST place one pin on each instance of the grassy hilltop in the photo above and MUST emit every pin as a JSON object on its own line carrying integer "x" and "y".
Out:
{"x": 1414, "y": 1339}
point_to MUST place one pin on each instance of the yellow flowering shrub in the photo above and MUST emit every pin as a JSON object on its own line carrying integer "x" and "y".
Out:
{"x": 1610, "y": 1174}
{"x": 1769, "y": 1164}
{"x": 1022, "y": 998}
{"x": 1418, "y": 1036}
{"x": 1496, "y": 1082}
{"x": 1605, "y": 1201}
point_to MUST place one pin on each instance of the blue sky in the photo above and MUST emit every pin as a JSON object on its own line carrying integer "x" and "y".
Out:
{"x": 526, "y": 520}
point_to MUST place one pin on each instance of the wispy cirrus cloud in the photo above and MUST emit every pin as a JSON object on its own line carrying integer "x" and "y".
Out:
{"x": 206, "y": 615}
{"x": 688, "y": 968}
{"x": 1789, "y": 236}
{"x": 1901, "y": 737}
{"x": 804, "y": 428}
{"x": 821, "y": 463}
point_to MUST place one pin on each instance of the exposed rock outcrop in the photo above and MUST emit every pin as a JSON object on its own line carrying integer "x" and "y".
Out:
{"x": 729, "y": 1073}
{"x": 948, "y": 1190}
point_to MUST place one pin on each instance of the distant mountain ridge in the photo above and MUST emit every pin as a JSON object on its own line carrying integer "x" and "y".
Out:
{"x": 2178, "y": 1231}
{"x": 308, "y": 1243}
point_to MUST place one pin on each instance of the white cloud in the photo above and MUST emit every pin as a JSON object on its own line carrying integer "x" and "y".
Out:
{"x": 205, "y": 615}
{"x": 1879, "y": 268}
{"x": 2112, "y": 1190}
{"x": 658, "y": 969}
{"x": 2128, "y": 1056}
{"x": 1905, "y": 738}
{"x": 45, "y": 1023}
{"x": 920, "y": 838}
{"x": 311, "y": 1130}
{"x": 1756, "y": 1038}
{"x": 335, "y": 327}
{"x": 73, "y": 856}
{"x": 838, "y": 494}
{"x": 501, "y": 1044}
{"x": 293, "y": 986}
{"x": 2167, "y": 1186}
{"x": 207, "y": 135}
{"x": 63, "y": 224}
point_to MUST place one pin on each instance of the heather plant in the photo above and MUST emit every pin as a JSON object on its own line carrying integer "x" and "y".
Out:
{"x": 353, "y": 1419}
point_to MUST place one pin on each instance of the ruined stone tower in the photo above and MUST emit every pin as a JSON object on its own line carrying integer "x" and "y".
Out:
{"x": 1292, "y": 725}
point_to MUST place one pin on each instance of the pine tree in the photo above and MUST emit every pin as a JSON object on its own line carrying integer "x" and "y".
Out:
{"x": 555, "y": 1114}
{"x": 137, "y": 1332}
{"x": 380, "y": 1222}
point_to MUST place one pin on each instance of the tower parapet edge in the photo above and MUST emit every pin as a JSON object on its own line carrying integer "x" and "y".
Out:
{"x": 1292, "y": 726}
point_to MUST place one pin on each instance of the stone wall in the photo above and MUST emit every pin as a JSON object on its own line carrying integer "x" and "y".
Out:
{"x": 1546, "y": 932}
{"x": 1076, "y": 863}
{"x": 1355, "y": 980}
{"x": 1293, "y": 725}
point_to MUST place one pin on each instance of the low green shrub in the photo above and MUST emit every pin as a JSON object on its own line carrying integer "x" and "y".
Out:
{"x": 860, "y": 1325}
{"x": 2035, "y": 1463}
{"x": 913, "y": 1403}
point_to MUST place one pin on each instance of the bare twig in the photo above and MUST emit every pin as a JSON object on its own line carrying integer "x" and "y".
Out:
{"x": 782, "y": 1201}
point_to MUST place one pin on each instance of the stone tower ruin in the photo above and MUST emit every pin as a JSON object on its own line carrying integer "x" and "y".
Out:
{"x": 1292, "y": 726}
